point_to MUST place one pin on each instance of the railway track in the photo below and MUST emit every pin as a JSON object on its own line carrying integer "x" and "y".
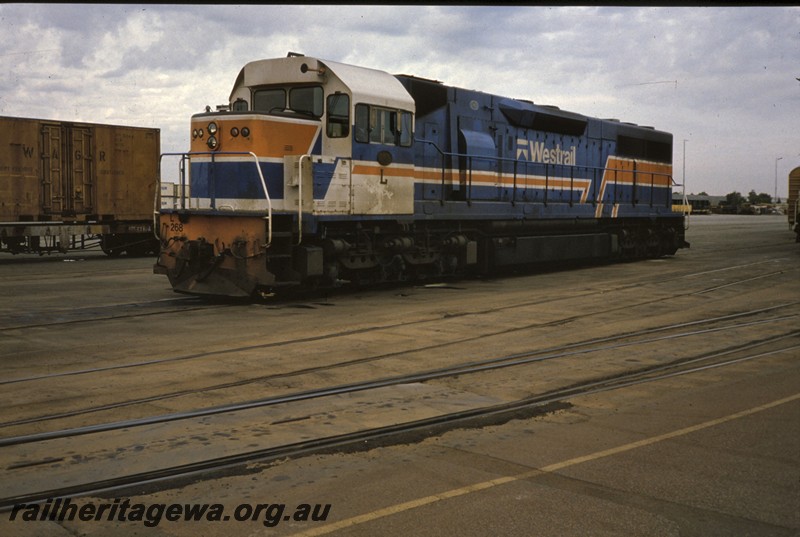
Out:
{"x": 608, "y": 343}
{"x": 187, "y": 304}
{"x": 297, "y": 381}
{"x": 51, "y": 318}
{"x": 329, "y": 336}
{"x": 367, "y": 437}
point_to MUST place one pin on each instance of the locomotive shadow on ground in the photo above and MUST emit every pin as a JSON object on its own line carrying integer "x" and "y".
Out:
{"x": 313, "y": 298}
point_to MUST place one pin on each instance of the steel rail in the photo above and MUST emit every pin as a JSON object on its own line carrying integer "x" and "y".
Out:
{"x": 361, "y": 439}
{"x": 211, "y": 306}
{"x": 457, "y": 370}
{"x": 177, "y": 308}
{"x": 562, "y": 348}
{"x": 312, "y": 338}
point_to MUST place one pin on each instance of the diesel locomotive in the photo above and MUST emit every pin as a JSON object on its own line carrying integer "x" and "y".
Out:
{"x": 318, "y": 173}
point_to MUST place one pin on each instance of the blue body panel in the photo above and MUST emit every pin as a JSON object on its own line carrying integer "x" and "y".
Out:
{"x": 236, "y": 179}
{"x": 500, "y": 158}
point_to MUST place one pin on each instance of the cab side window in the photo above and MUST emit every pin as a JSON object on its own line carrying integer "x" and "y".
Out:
{"x": 405, "y": 129}
{"x": 362, "y": 123}
{"x": 383, "y": 125}
{"x": 338, "y": 116}
{"x": 240, "y": 105}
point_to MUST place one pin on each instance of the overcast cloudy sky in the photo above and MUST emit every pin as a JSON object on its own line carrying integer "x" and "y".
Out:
{"x": 724, "y": 79}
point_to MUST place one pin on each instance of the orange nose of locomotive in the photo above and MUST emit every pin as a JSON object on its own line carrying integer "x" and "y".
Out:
{"x": 210, "y": 254}
{"x": 211, "y": 246}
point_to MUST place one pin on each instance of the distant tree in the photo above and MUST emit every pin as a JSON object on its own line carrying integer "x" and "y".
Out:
{"x": 756, "y": 199}
{"x": 703, "y": 193}
{"x": 734, "y": 199}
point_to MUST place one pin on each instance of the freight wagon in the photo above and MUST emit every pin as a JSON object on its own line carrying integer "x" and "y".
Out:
{"x": 66, "y": 185}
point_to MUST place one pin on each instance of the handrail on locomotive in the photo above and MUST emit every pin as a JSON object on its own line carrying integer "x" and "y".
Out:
{"x": 547, "y": 167}
{"x": 444, "y": 158}
{"x": 300, "y": 198}
{"x": 182, "y": 167}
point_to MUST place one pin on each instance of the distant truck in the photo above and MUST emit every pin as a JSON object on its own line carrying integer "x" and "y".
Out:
{"x": 65, "y": 183}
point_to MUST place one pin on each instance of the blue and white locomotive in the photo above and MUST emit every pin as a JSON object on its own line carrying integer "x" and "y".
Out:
{"x": 319, "y": 173}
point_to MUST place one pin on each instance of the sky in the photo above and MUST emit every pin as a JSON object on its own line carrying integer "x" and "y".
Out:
{"x": 722, "y": 80}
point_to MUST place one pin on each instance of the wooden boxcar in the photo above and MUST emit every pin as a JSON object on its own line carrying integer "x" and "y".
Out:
{"x": 65, "y": 183}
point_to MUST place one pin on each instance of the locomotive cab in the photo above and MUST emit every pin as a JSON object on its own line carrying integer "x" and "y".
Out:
{"x": 300, "y": 139}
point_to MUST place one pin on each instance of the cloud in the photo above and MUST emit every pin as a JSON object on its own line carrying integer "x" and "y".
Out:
{"x": 721, "y": 77}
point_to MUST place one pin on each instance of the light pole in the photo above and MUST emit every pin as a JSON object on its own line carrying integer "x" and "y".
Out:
{"x": 683, "y": 179}
{"x": 774, "y": 200}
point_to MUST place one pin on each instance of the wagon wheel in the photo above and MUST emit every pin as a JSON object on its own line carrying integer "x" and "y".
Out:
{"x": 111, "y": 245}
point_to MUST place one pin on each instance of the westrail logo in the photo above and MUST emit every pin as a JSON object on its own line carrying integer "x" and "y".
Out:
{"x": 533, "y": 151}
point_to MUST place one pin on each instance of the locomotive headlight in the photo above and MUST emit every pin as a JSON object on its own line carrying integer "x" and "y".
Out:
{"x": 212, "y": 142}
{"x": 212, "y": 128}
